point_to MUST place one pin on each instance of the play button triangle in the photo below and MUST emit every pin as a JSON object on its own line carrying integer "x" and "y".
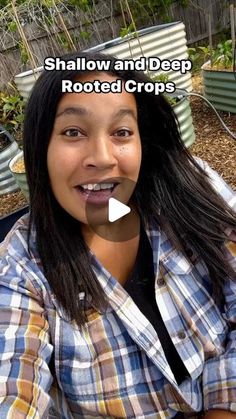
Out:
{"x": 116, "y": 210}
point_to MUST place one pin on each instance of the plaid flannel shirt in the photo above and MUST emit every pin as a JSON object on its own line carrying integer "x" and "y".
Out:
{"x": 115, "y": 367}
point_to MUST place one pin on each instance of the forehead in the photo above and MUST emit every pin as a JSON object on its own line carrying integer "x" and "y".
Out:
{"x": 97, "y": 102}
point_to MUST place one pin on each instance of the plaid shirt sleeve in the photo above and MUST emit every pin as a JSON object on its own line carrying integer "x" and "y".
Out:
{"x": 25, "y": 378}
{"x": 219, "y": 375}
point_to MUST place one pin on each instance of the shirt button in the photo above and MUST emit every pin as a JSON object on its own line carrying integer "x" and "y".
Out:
{"x": 160, "y": 282}
{"x": 181, "y": 334}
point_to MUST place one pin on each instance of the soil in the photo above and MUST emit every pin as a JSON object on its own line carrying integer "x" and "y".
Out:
{"x": 11, "y": 202}
{"x": 212, "y": 144}
{"x": 3, "y": 141}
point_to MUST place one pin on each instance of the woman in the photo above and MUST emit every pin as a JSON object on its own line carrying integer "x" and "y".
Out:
{"x": 126, "y": 319}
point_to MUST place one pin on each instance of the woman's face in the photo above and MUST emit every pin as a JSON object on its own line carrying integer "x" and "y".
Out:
{"x": 94, "y": 150}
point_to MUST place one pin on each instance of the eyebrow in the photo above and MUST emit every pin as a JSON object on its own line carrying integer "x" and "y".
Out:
{"x": 124, "y": 112}
{"x": 81, "y": 111}
{"x": 74, "y": 110}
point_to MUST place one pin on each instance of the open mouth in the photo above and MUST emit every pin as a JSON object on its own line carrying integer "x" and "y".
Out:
{"x": 97, "y": 192}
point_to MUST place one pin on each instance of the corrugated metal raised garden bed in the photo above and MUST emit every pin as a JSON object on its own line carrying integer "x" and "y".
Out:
{"x": 220, "y": 88}
{"x": 8, "y": 149}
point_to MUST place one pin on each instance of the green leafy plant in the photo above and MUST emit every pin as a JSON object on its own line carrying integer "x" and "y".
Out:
{"x": 160, "y": 77}
{"x": 47, "y": 3}
{"x": 85, "y": 35}
{"x": 198, "y": 56}
{"x": 194, "y": 56}
{"x": 63, "y": 41}
{"x": 24, "y": 55}
{"x": 81, "y": 4}
{"x": 222, "y": 55}
{"x": 4, "y": 3}
{"x": 12, "y": 26}
{"x": 127, "y": 31}
{"x": 12, "y": 112}
{"x": 205, "y": 52}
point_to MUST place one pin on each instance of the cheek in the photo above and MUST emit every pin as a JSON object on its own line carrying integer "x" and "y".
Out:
{"x": 60, "y": 161}
{"x": 130, "y": 157}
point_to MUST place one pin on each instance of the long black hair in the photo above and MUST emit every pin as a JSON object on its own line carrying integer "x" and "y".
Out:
{"x": 172, "y": 189}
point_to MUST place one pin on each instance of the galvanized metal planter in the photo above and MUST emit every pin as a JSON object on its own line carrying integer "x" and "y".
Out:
{"x": 19, "y": 177}
{"x": 7, "y": 181}
{"x": 25, "y": 81}
{"x": 183, "y": 112}
{"x": 220, "y": 88}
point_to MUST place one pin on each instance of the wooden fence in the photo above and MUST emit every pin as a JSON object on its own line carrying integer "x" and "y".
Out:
{"x": 196, "y": 15}
{"x": 45, "y": 40}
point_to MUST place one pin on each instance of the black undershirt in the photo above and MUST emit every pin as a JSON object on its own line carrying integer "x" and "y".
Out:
{"x": 141, "y": 287}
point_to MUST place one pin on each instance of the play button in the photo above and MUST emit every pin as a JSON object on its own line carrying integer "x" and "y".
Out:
{"x": 116, "y": 210}
{"x": 111, "y": 212}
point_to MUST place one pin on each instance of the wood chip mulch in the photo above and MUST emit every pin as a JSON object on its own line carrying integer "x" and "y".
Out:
{"x": 212, "y": 144}
{"x": 11, "y": 202}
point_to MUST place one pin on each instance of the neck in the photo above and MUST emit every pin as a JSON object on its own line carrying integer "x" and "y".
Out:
{"x": 115, "y": 250}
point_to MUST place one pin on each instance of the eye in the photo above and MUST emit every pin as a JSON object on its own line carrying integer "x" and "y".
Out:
{"x": 73, "y": 132}
{"x": 123, "y": 132}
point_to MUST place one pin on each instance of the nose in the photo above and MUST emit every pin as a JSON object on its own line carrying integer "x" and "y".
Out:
{"x": 100, "y": 154}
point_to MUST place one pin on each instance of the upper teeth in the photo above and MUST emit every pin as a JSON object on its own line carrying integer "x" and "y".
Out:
{"x": 97, "y": 186}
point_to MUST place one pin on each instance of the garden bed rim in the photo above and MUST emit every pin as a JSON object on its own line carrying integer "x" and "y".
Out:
{"x": 214, "y": 69}
{"x": 29, "y": 72}
{"x": 14, "y": 160}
